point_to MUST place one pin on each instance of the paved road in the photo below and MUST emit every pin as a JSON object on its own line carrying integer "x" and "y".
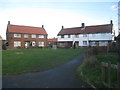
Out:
{"x": 62, "y": 76}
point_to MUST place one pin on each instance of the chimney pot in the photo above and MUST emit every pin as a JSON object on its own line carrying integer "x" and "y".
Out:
{"x": 42, "y": 26}
{"x": 62, "y": 27}
{"x": 83, "y": 25}
{"x": 8, "y": 22}
{"x": 111, "y": 22}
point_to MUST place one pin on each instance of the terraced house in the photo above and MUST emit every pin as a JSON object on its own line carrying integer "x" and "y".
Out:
{"x": 96, "y": 35}
{"x": 19, "y": 36}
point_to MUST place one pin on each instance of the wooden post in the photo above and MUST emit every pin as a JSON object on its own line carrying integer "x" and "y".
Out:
{"x": 109, "y": 81}
{"x": 118, "y": 75}
{"x": 103, "y": 73}
{"x": 106, "y": 73}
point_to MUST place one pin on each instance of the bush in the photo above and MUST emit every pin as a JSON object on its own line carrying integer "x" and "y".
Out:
{"x": 4, "y": 47}
{"x": 91, "y": 61}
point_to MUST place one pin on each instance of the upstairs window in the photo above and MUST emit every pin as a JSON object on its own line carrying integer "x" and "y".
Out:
{"x": 33, "y": 36}
{"x": 68, "y": 36}
{"x": 77, "y": 36}
{"x": 103, "y": 34}
{"x": 41, "y": 36}
{"x": 17, "y": 35}
{"x": 26, "y": 35}
{"x": 84, "y": 35}
{"x": 62, "y": 36}
{"x": 93, "y": 35}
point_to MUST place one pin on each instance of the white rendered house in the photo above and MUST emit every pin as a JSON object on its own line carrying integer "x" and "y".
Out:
{"x": 98, "y": 35}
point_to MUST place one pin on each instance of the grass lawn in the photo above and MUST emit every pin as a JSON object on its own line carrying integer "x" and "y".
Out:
{"x": 30, "y": 60}
{"x": 93, "y": 73}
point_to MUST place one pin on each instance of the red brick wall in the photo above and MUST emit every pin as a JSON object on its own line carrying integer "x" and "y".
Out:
{"x": 11, "y": 39}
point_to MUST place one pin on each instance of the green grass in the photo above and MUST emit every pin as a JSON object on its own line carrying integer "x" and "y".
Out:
{"x": 93, "y": 73}
{"x": 31, "y": 60}
{"x": 108, "y": 57}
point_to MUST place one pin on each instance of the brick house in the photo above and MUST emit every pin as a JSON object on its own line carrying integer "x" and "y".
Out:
{"x": 96, "y": 35}
{"x": 19, "y": 36}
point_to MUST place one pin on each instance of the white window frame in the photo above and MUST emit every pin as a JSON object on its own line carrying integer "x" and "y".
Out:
{"x": 26, "y": 35}
{"x": 103, "y": 43}
{"x": 77, "y": 36}
{"x": 85, "y": 43}
{"x": 103, "y": 34}
{"x": 17, "y": 35}
{"x": 93, "y": 34}
{"x": 41, "y": 36}
{"x": 41, "y": 44}
{"x": 62, "y": 36}
{"x": 84, "y": 35}
{"x": 93, "y": 43}
{"x": 33, "y": 35}
{"x": 17, "y": 43}
{"x": 69, "y": 36}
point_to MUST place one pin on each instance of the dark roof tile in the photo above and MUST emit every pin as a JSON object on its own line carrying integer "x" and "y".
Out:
{"x": 88, "y": 29}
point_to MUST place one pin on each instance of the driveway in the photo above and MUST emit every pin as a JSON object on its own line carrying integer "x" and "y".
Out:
{"x": 62, "y": 76}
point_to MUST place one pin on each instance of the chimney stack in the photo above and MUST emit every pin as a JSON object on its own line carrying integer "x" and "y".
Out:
{"x": 83, "y": 25}
{"x": 42, "y": 26}
{"x": 8, "y": 22}
{"x": 111, "y": 22}
{"x": 62, "y": 27}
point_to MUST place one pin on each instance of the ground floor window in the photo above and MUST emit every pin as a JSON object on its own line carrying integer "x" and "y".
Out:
{"x": 41, "y": 44}
{"x": 84, "y": 42}
{"x": 17, "y": 43}
{"x": 61, "y": 44}
{"x": 103, "y": 43}
{"x": 94, "y": 43}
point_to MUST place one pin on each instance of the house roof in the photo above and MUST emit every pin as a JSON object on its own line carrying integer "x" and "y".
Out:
{"x": 87, "y": 29}
{"x": 52, "y": 40}
{"x": 26, "y": 29}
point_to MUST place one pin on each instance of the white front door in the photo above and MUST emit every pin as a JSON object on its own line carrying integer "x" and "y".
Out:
{"x": 26, "y": 44}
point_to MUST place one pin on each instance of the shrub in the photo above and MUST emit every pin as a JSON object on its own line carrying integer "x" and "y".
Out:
{"x": 91, "y": 61}
{"x": 4, "y": 47}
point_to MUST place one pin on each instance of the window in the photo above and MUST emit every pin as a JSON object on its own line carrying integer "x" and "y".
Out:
{"x": 62, "y": 44}
{"x": 41, "y": 44}
{"x": 93, "y": 35}
{"x": 103, "y": 34}
{"x": 84, "y": 42}
{"x": 41, "y": 36}
{"x": 103, "y": 43}
{"x": 33, "y": 36}
{"x": 25, "y": 35}
{"x": 62, "y": 36}
{"x": 68, "y": 36}
{"x": 84, "y": 35}
{"x": 17, "y": 43}
{"x": 92, "y": 43}
{"x": 17, "y": 35}
{"x": 77, "y": 36}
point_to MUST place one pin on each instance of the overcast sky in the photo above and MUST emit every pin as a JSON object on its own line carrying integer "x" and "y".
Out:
{"x": 55, "y": 14}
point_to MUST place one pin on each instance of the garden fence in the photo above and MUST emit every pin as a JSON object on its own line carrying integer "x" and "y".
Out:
{"x": 106, "y": 73}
